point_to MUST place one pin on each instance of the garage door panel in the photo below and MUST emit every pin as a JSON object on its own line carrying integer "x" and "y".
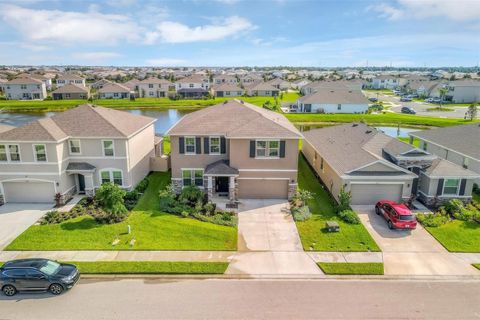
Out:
{"x": 29, "y": 192}
{"x": 369, "y": 194}
{"x": 262, "y": 189}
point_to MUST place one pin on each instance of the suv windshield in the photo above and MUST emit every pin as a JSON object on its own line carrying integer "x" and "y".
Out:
{"x": 50, "y": 267}
{"x": 406, "y": 218}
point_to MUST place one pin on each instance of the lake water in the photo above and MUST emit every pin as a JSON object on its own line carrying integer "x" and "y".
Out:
{"x": 165, "y": 119}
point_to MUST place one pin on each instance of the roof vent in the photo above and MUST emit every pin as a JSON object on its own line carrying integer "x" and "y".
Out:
{"x": 225, "y": 102}
{"x": 368, "y": 131}
{"x": 355, "y": 125}
{"x": 331, "y": 90}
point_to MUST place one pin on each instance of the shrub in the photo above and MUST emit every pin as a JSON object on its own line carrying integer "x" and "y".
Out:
{"x": 167, "y": 199}
{"x": 110, "y": 198}
{"x": 209, "y": 208}
{"x": 301, "y": 213}
{"x": 301, "y": 197}
{"x": 454, "y": 206}
{"x": 349, "y": 216}
{"x": 432, "y": 220}
{"x": 142, "y": 185}
{"x": 191, "y": 195}
{"x": 344, "y": 199}
{"x": 51, "y": 217}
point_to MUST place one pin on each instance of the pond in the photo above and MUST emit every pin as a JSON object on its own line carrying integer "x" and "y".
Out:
{"x": 165, "y": 118}
{"x": 396, "y": 132}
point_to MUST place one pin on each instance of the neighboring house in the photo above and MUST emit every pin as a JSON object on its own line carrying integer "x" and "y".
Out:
{"x": 333, "y": 101}
{"x": 66, "y": 78}
{"x": 132, "y": 84}
{"x": 220, "y": 79}
{"x": 155, "y": 88}
{"x": 99, "y": 84}
{"x": 280, "y": 84}
{"x": 236, "y": 150}
{"x": 262, "y": 89}
{"x": 70, "y": 92}
{"x": 226, "y": 90}
{"x": 114, "y": 91}
{"x": 355, "y": 85}
{"x": 300, "y": 83}
{"x": 422, "y": 88}
{"x": 374, "y": 166}
{"x": 250, "y": 78}
{"x": 387, "y": 82}
{"x": 458, "y": 144}
{"x": 74, "y": 152}
{"x": 25, "y": 89}
{"x": 36, "y": 76}
{"x": 194, "y": 86}
{"x": 463, "y": 91}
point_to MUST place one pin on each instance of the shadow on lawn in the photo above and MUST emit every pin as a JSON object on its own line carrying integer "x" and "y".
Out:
{"x": 84, "y": 224}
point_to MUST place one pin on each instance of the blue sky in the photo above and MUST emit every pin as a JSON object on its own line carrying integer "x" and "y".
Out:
{"x": 318, "y": 33}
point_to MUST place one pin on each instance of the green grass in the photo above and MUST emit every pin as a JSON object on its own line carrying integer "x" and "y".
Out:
{"x": 386, "y": 119}
{"x": 443, "y": 109}
{"x": 352, "y": 237}
{"x": 458, "y": 236}
{"x": 476, "y": 196}
{"x": 152, "y": 229}
{"x": 370, "y": 268}
{"x": 416, "y": 142}
{"x": 157, "y": 103}
{"x": 150, "y": 267}
{"x": 477, "y": 266}
{"x": 380, "y": 91}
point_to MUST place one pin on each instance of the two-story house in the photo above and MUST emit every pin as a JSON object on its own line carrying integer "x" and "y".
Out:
{"x": 235, "y": 150}
{"x": 155, "y": 88}
{"x": 25, "y": 89}
{"x": 74, "y": 152}
{"x": 70, "y": 79}
{"x": 194, "y": 86}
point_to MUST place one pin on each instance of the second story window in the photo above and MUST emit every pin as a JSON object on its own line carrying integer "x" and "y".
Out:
{"x": 191, "y": 85}
{"x": 108, "y": 148}
{"x": 214, "y": 145}
{"x": 150, "y": 85}
{"x": 40, "y": 152}
{"x": 190, "y": 147}
{"x": 23, "y": 86}
{"x": 74, "y": 146}
{"x": 14, "y": 151}
{"x": 267, "y": 149}
{"x": 3, "y": 153}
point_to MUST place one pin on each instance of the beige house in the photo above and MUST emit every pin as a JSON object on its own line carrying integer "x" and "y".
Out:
{"x": 262, "y": 89}
{"x": 74, "y": 152}
{"x": 374, "y": 166}
{"x": 70, "y": 92}
{"x": 155, "y": 88}
{"x": 235, "y": 150}
{"x": 226, "y": 90}
{"x": 67, "y": 78}
{"x": 25, "y": 89}
{"x": 114, "y": 91}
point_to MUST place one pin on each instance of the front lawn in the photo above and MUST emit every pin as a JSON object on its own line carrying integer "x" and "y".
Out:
{"x": 458, "y": 236}
{"x": 152, "y": 229}
{"x": 352, "y": 237}
{"x": 150, "y": 267}
{"x": 371, "y": 268}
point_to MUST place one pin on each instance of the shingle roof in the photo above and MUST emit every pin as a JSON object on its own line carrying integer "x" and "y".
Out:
{"x": 71, "y": 88}
{"x": 262, "y": 86}
{"x": 83, "y": 121}
{"x": 80, "y": 166}
{"x": 234, "y": 119}
{"x": 114, "y": 87}
{"x": 463, "y": 139}
{"x": 5, "y": 127}
{"x": 154, "y": 80}
{"x": 335, "y": 96}
{"x": 196, "y": 78}
{"x": 220, "y": 167}
{"x": 443, "y": 168}
{"x": 226, "y": 87}
{"x": 24, "y": 81}
{"x": 67, "y": 76}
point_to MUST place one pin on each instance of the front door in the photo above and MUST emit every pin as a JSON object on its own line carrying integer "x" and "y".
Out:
{"x": 81, "y": 183}
{"x": 221, "y": 184}
{"x": 415, "y": 170}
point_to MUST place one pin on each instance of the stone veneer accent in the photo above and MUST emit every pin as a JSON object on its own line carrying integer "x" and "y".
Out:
{"x": 208, "y": 189}
{"x": 436, "y": 201}
{"x": 292, "y": 189}
{"x": 67, "y": 196}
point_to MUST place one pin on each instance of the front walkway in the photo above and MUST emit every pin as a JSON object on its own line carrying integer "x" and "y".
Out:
{"x": 413, "y": 253}
{"x": 268, "y": 242}
{"x": 15, "y": 218}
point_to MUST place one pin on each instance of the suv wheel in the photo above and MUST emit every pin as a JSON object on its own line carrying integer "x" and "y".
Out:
{"x": 377, "y": 210}
{"x": 390, "y": 224}
{"x": 9, "y": 290}
{"x": 56, "y": 289}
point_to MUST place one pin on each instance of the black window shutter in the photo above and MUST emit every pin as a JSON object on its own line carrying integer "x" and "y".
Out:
{"x": 440, "y": 187}
{"x": 282, "y": 148}
{"x": 198, "y": 144}
{"x": 206, "y": 145}
{"x": 463, "y": 184}
{"x": 252, "y": 148}
{"x": 181, "y": 144}
{"x": 223, "y": 145}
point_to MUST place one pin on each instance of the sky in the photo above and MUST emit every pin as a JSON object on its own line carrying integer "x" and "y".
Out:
{"x": 300, "y": 33}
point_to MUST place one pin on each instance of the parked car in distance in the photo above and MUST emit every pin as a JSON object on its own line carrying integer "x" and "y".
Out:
{"x": 429, "y": 100}
{"x": 397, "y": 92}
{"x": 397, "y": 215}
{"x": 37, "y": 275}
{"x": 405, "y": 99}
{"x": 407, "y": 110}
{"x": 373, "y": 99}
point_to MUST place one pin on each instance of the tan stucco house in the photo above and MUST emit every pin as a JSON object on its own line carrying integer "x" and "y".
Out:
{"x": 235, "y": 150}
{"x": 74, "y": 152}
{"x": 71, "y": 92}
{"x": 374, "y": 166}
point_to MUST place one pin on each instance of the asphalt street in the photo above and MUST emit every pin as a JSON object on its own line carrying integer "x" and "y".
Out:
{"x": 252, "y": 299}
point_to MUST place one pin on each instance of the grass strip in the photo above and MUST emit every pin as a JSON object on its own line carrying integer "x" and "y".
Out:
{"x": 336, "y": 268}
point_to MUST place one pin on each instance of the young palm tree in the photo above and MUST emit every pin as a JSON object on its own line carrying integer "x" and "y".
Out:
{"x": 443, "y": 92}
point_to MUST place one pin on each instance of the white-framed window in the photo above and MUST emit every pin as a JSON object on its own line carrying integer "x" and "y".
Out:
{"x": 190, "y": 145}
{"x": 67, "y": 95}
{"x": 214, "y": 145}
{"x": 74, "y": 147}
{"x": 191, "y": 85}
{"x": 40, "y": 151}
{"x": 339, "y": 107}
{"x": 192, "y": 177}
{"x": 111, "y": 175}
{"x": 150, "y": 85}
{"x": 267, "y": 148}
{"x": 267, "y": 93}
{"x": 23, "y": 86}
{"x": 451, "y": 186}
{"x": 14, "y": 152}
{"x": 3, "y": 153}
{"x": 115, "y": 94}
{"x": 108, "y": 148}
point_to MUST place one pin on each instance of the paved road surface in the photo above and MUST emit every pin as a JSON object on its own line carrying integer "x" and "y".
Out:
{"x": 251, "y": 299}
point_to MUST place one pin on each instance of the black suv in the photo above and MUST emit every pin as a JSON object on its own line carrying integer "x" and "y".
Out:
{"x": 37, "y": 275}
{"x": 408, "y": 110}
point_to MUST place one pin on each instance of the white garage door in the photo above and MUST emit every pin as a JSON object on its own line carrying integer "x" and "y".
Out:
{"x": 29, "y": 191}
{"x": 262, "y": 189}
{"x": 369, "y": 194}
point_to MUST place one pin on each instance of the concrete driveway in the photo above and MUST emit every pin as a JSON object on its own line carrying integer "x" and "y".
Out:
{"x": 17, "y": 217}
{"x": 413, "y": 252}
{"x": 268, "y": 241}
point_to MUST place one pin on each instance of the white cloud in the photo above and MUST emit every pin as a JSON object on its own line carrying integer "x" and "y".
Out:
{"x": 165, "y": 62}
{"x": 96, "y": 56}
{"x": 35, "y": 47}
{"x": 69, "y": 27}
{"x": 457, "y": 10}
{"x": 174, "y": 32}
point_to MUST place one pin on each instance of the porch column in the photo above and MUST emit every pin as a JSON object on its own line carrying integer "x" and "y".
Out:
{"x": 89, "y": 187}
{"x": 232, "y": 194}
{"x": 210, "y": 188}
